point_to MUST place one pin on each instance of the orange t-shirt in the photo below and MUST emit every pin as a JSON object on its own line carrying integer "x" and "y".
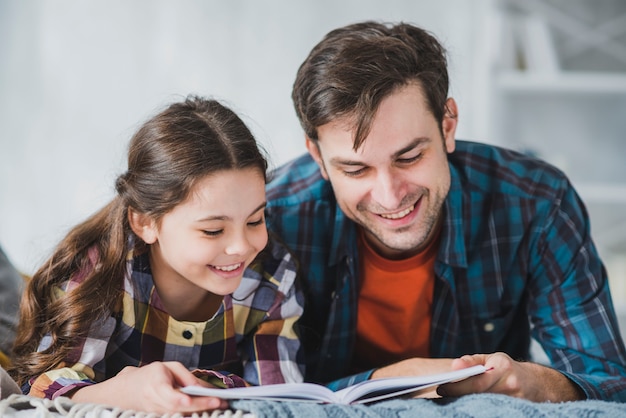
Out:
{"x": 394, "y": 307}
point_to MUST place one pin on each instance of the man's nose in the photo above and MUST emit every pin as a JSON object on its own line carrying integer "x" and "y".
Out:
{"x": 388, "y": 190}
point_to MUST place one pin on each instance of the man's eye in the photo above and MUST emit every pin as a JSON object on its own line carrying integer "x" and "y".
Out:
{"x": 409, "y": 160}
{"x": 354, "y": 173}
{"x": 213, "y": 233}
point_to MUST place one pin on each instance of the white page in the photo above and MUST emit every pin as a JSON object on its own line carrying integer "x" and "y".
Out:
{"x": 377, "y": 388}
{"x": 296, "y": 391}
{"x": 395, "y": 386}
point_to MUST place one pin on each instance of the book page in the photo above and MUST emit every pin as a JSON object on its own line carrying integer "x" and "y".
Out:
{"x": 281, "y": 391}
{"x": 377, "y": 389}
{"x": 363, "y": 392}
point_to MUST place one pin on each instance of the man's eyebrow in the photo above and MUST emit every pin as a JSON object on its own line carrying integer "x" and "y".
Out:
{"x": 340, "y": 161}
{"x": 412, "y": 145}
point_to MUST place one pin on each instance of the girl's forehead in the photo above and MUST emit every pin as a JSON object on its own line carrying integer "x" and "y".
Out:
{"x": 226, "y": 193}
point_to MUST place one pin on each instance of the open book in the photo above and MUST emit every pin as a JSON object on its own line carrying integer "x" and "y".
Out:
{"x": 363, "y": 392}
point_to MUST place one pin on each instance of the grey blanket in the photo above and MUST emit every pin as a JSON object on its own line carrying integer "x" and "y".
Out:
{"x": 484, "y": 405}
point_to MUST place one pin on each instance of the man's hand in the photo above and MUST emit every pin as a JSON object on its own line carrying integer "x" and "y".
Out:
{"x": 416, "y": 366}
{"x": 519, "y": 379}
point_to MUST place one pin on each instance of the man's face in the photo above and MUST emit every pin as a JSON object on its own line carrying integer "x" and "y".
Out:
{"x": 395, "y": 184}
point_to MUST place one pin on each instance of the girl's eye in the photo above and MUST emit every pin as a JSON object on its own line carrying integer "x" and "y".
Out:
{"x": 257, "y": 223}
{"x": 214, "y": 233}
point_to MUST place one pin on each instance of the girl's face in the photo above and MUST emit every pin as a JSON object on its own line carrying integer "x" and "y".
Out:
{"x": 206, "y": 242}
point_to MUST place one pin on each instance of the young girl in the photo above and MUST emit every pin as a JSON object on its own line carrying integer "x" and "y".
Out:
{"x": 165, "y": 287}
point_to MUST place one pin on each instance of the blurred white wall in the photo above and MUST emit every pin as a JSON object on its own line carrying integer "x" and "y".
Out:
{"x": 78, "y": 76}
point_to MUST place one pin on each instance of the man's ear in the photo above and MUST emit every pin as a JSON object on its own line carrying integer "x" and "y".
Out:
{"x": 143, "y": 226}
{"x": 449, "y": 124}
{"x": 314, "y": 150}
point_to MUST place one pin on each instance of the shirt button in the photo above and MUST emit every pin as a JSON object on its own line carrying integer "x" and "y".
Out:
{"x": 488, "y": 327}
{"x": 187, "y": 334}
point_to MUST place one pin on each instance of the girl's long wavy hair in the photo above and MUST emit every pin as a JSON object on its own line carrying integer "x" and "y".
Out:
{"x": 166, "y": 157}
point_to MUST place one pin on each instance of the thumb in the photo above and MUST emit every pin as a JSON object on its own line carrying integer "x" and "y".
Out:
{"x": 468, "y": 361}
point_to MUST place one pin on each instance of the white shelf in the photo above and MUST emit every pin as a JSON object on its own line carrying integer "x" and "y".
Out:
{"x": 561, "y": 82}
{"x": 564, "y": 106}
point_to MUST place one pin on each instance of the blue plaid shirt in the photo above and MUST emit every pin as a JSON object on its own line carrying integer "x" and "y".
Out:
{"x": 516, "y": 260}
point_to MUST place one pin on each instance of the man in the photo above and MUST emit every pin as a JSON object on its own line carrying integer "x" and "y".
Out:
{"x": 421, "y": 253}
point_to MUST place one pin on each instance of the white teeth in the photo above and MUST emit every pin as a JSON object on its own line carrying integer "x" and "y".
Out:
{"x": 228, "y": 268}
{"x": 399, "y": 214}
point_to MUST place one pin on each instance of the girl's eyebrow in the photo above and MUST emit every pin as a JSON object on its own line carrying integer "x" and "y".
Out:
{"x": 258, "y": 208}
{"x": 224, "y": 217}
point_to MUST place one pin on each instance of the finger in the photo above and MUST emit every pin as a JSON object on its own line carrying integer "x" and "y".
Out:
{"x": 181, "y": 375}
{"x": 186, "y": 403}
{"x": 206, "y": 403}
{"x": 468, "y": 361}
{"x": 201, "y": 403}
{"x": 170, "y": 399}
{"x": 475, "y": 384}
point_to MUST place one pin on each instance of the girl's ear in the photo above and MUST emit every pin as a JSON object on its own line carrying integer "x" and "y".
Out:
{"x": 143, "y": 226}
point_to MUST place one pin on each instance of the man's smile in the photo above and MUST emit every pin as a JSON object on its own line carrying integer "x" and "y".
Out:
{"x": 398, "y": 215}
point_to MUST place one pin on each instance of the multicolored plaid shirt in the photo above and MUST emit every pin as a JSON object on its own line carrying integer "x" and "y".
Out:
{"x": 249, "y": 341}
{"x": 516, "y": 260}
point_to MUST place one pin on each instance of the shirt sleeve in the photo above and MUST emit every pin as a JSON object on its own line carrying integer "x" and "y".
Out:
{"x": 570, "y": 305}
{"x": 77, "y": 370}
{"x": 270, "y": 349}
{"x": 344, "y": 382}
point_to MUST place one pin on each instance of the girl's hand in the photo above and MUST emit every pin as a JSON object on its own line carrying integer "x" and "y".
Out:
{"x": 151, "y": 388}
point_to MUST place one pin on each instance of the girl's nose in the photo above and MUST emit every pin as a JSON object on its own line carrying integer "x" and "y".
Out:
{"x": 238, "y": 245}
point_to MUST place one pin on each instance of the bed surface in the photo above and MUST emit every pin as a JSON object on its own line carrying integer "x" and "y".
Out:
{"x": 483, "y": 405}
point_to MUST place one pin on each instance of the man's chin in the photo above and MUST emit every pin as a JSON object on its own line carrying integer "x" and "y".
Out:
{"x": 392, "y": 247}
